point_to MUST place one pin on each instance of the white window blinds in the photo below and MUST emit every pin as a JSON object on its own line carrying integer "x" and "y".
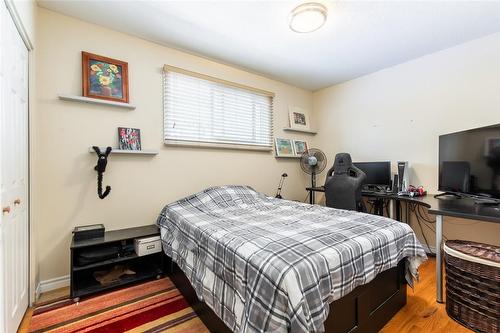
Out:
{"x": 202, "y": 110}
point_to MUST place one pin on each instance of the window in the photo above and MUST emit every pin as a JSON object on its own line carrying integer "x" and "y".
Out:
{"x": 201, "y": 110}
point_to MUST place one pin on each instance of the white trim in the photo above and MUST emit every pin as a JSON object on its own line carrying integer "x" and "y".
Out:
{"x": 52, "y": 284}
{"x": 200, "y": 144}
{"x": 429, "y": 249}
{"x": 468, "y": 257}
{"x": 11, "y": 7}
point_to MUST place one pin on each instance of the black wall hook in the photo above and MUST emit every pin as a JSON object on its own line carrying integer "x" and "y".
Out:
{"x": 102, "y": 161}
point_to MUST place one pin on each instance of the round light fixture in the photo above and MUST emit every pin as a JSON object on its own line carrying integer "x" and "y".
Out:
{"x": 308, "y": 17}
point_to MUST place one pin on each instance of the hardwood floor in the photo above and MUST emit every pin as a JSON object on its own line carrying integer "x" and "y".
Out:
{"x": 420, "y": 315}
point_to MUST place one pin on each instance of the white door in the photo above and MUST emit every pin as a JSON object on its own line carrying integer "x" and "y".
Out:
{"x": 13, "y": 173}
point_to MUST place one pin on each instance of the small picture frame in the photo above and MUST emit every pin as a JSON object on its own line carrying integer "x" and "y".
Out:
{"x": 104, "y": 78}
{"x": 299, "y": 118}
{"x": 300, "y": 147}
{"x": 284, "y": 147}
{"x": 129, "y": 138}
{"x": 491, "y": 144}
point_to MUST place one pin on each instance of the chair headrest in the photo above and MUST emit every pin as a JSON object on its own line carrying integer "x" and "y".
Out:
{"x": 343, "y": 163}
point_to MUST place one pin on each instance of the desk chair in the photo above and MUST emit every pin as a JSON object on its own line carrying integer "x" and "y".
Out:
{"x": 343, "y": 184}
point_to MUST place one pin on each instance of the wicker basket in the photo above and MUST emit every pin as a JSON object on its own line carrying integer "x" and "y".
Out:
{"x": 473, "y": 285}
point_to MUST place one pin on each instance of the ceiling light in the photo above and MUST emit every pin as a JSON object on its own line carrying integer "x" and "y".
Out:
{"x": 308, "y": 17}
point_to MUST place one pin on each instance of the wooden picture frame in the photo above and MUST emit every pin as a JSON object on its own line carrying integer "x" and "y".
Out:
{"x": 104, "y": 78}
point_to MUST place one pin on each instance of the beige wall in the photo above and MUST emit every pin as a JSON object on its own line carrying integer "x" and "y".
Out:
{"x": 141, "y": 185}
{"x": 399, "y": 112}
{"x": 394, "y": 114}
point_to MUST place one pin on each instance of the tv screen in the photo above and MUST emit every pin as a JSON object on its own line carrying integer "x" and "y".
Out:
{"x": 469, "y": 162}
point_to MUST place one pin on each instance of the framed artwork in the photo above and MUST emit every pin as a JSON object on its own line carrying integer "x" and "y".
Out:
{"x": 299, "y": 147}
{"x": 299, "y": 118}
{"x": 129, "y": 138}
{"x": 491, "y": 145}
{"x": 284, "y": 147}
{"x": 104, "y": 78}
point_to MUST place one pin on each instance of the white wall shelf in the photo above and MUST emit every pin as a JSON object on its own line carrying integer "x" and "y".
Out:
{"x": 289, "y": 129}
{"x": 286, "y": 156}
{"x": 130, "y": 152}
{"x": 81, "y": 99}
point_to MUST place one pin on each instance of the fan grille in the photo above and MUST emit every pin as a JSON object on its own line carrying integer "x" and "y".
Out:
{"x": 313, "y": 161}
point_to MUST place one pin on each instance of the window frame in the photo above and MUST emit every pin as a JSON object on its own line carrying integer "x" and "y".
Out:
{"x": 215, "y": 144}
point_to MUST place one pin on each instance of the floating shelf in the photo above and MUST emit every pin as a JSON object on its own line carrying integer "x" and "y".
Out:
{"x": 289, "y": 129}
{"x": 287, "y": 156}
{"x": 131, "y": 152}
{"x": 98, "y": 101}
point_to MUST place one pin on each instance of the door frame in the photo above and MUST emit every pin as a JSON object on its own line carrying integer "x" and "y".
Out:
{"x": 23, "y": 32}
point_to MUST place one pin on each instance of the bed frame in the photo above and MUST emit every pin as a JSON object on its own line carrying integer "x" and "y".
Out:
{"x": 364, "y": 310}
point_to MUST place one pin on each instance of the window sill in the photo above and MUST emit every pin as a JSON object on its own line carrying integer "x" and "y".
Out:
{"x": 194, "y": 144}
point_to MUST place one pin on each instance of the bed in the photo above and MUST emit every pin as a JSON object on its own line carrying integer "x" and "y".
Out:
{"x": 262, "y": 264}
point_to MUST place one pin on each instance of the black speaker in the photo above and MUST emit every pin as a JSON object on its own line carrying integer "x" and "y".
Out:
{"x": 395, "y": 185}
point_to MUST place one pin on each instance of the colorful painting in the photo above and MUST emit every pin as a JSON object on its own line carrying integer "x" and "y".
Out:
{"x": 300, "y": 147}
{"x": 284, "y": 147}
{"x": 104, "y": 78}
{"x": 129, "y": 138}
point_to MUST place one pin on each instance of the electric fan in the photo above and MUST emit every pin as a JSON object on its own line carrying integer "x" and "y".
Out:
{"x": 313, "y": 162}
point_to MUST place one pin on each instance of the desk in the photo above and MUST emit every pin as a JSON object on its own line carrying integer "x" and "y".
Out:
{"x": 427, "y": 201}
{"x": 463, "y": 208}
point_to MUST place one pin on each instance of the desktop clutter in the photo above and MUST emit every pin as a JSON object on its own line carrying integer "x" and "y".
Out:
{"x": 347, "y": 181}
{"x": 468, "y": 168}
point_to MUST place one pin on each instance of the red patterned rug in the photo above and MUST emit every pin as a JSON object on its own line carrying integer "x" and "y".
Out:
{"x": 155, "y": 306}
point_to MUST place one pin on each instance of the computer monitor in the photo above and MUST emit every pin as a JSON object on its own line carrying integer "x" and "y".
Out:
{"x": 378, "y": 174}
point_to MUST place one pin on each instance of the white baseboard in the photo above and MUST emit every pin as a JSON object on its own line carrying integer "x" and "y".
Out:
{"x": 429, "y": 249}
{"x": 52, "y": 284}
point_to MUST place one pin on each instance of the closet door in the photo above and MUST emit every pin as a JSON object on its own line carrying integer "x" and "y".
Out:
{"x": 14, "y": 173}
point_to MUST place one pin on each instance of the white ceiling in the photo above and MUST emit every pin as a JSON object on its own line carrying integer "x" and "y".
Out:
{"x": 359, "y": 37}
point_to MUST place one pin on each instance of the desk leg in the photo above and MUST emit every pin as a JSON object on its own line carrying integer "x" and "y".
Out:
{"x": 391, "y": 209}
{"x": 407, "y": 209}
{"x": 439, "y": 258}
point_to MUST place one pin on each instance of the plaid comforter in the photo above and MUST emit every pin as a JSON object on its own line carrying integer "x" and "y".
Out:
{"x": 271, "y": 265}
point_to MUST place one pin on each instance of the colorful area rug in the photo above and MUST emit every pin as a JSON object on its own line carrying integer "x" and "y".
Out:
{"x": 151, "y": 307}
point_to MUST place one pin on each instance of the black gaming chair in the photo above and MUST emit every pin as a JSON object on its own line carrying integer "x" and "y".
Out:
{"x": 343, "y": 184}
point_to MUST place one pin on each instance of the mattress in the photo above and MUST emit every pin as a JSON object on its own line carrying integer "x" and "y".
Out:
{"x": 270, "y": 265}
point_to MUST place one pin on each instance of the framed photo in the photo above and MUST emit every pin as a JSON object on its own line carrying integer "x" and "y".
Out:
{"x": 299, "y": 147}
{"x": 284, "y": 147}
{"x": 104, "y": 78}
{"x": 129, "y": 138}
{"x": 299, "y": 118}
{"x": 491, "y": 145}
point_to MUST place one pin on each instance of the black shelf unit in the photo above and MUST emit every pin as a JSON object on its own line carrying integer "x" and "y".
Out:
{"x": 146, "y": 267}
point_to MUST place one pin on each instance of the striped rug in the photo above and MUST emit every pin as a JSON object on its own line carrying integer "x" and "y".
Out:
{"x": 155, "y": 306}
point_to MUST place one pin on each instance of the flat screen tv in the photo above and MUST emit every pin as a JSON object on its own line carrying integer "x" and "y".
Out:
{"x": 469, "y": 162}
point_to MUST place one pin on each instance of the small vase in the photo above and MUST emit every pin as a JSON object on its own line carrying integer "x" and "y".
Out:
{"x": 106, "y": 91}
